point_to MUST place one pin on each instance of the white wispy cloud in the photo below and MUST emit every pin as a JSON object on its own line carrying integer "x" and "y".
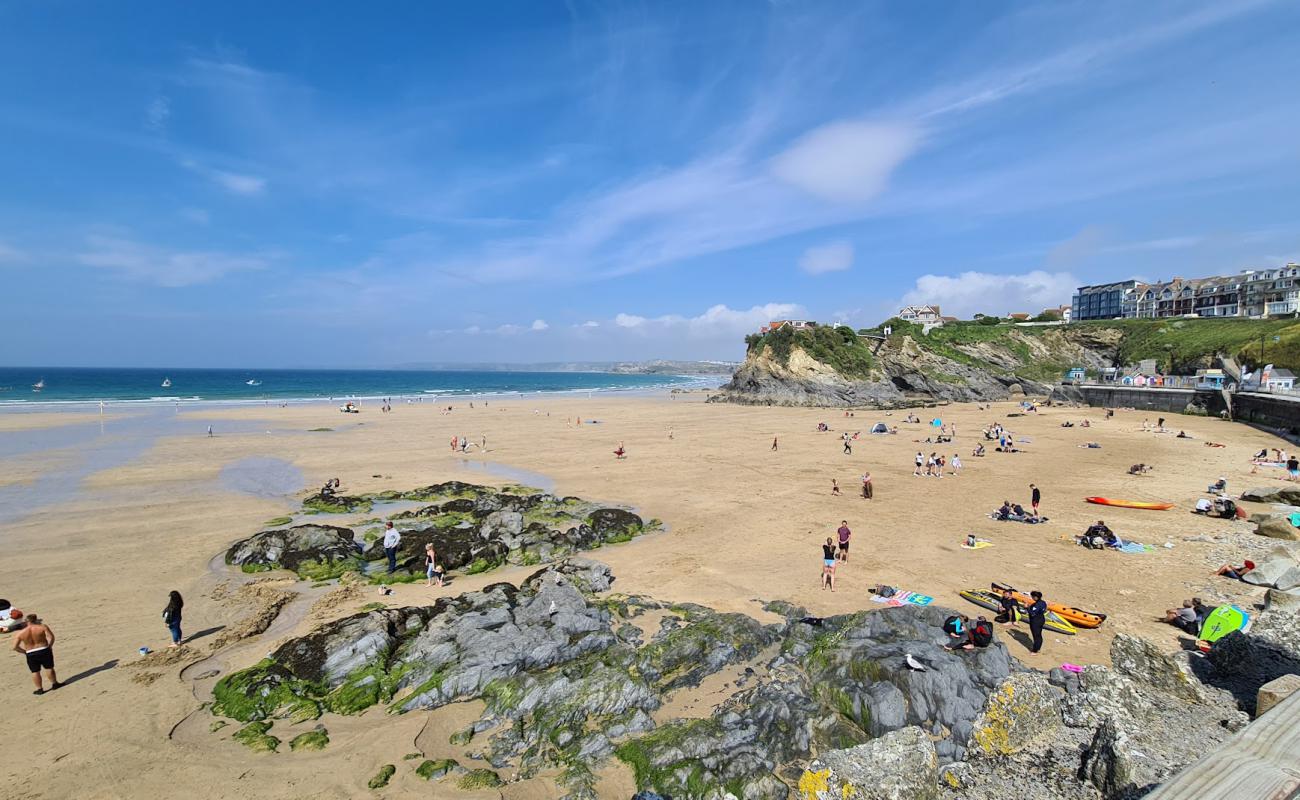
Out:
{"x": 198, "y": 216}
{"x": 157, "y": 113}
{"x": 161, "y": 266}
{"x": 235, "y": 182}
{"x": 968, "y": 293}
{"x": 846, "y": 162}
{"x": 716, "y": 321}
{"x": 831, "y": 257}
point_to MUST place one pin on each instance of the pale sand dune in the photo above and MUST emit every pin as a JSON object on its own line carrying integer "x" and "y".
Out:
{"x": 744, "y": 523}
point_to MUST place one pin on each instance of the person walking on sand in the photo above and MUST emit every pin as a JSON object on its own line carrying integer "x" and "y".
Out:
{"x": 1035, "y": 497}
{"x": 835, "y": 487}
{"x": 36, "y": 642}
{"x": 866, "y": 486}
{"x": 392, "y": 538}
{"x": 956, "y": 463}
{"x": 848, "y": 444}
{"x": 1037, "y": 612}
{"x": 209, "y": 431}
{"x": 172, "y": 616}
{"x": 431, "y": 569}
{"x": 920, "y": 459}
{"x": 774, "y": 444}
{"x": 844, "y": 535}
{"x": 828, "y": 565}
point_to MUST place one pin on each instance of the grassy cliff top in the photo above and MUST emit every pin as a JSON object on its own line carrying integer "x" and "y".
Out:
{"x": 838, "y": 347}
{"x": 1172, "y": 342}
{"x": 1177, "y": 345}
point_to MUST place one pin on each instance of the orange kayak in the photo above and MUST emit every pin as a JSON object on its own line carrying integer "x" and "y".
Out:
{"x": 1075, "y": 616}
{"x": 1106, "y": 501}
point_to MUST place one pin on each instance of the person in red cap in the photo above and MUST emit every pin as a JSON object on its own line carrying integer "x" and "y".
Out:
{"x": 1236, "y": 573}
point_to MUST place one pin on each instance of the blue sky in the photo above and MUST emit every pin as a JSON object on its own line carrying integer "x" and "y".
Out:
{"x": 254, "y": 184}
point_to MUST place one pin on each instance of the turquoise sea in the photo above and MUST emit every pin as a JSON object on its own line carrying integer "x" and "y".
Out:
{"x": 35, "y": 385}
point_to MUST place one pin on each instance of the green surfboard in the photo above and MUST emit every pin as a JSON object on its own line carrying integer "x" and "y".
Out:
{"x": 1223, "y": 621}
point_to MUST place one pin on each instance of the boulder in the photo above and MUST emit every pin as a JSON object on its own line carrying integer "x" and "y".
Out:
{"x": 901, "y": 765}
{"x": 1143, "y": 661}
{"x": 615, "y": 523}
{"x": 1023, "y": 709}
{"x": 858, "y": 662}
{"x": 1108, "y": 762}
{"x": 294, "y": 547}
{"x": 1273, "y": 494}
{"x": 1289, "y": 579}
{"x": 1282, "y": 600}
{"x": 1271, "y": 568}
{"x": 1275, "y": 526}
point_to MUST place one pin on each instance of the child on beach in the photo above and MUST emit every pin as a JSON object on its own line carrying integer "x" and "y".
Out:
{"x": 835, "y": 487}
{"x": 431, "y": 569}
{"x": 828, "y": 565}
{"x": 172, "y": 616}
{"x": 867, "y": 490}
{"x": 844, "y": 535}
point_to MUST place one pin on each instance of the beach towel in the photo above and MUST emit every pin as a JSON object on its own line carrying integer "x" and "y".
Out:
{"x": 980, "y": 544}
{"x": 1135, "y": 547}
{"x": 903, "y": 598}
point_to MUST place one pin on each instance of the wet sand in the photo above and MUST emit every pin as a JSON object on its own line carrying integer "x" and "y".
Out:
{"x": 120, "y": 527}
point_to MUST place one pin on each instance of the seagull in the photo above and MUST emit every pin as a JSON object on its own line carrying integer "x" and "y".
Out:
{"x": 913, "y": 664}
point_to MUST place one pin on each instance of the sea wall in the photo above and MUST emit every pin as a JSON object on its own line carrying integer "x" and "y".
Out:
{"x": 1275, "y": 411}
{"x": 1172, "y": 401}
{"x": 1269, "y": 410}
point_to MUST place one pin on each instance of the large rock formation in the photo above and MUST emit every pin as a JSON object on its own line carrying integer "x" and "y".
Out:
{"x": 908, "y": 367}
{"x": 472, "y": 528}
{"x": 865, "y": 705}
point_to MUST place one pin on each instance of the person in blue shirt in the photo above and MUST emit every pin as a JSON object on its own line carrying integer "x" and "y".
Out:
{"x": 1037, "y": 616}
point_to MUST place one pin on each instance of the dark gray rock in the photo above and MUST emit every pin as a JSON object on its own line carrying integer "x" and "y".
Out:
{"x": 291, "y": 548}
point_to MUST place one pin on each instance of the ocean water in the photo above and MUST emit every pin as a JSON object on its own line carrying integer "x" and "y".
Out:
{"x": 82, "y": 385}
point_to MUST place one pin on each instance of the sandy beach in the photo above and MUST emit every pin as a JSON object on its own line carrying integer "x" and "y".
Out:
{"x": 95, "y": 549}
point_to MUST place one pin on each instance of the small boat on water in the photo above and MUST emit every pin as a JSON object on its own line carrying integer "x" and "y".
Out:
{"x": 39, "y": 385}
{"x": 167, "y": 382}
{"x": 251, "y": 382}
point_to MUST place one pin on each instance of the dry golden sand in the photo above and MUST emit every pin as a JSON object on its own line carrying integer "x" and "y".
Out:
{"x": 744, "y": 523}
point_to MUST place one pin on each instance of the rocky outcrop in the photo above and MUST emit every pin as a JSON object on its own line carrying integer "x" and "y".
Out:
{"x": 472, "y": 528}
{"x": 1276, "y": 526}
{"x": 911, "y": 368}
{"x": 1273, "y": 494}
{"x": 292, "y": 548}
{"x": 900, "y": 765}
{"x": 865, "y": 705}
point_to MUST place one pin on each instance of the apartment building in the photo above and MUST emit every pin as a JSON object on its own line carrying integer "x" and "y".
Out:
{"x": 1251, "y": 293}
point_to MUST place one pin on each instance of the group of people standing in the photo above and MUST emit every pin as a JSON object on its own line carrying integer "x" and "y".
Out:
{"x": 834, "y": 554}
{"x": 934, "y": 465}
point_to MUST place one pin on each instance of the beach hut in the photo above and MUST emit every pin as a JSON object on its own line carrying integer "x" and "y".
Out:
{"x": 1076, "y": 375}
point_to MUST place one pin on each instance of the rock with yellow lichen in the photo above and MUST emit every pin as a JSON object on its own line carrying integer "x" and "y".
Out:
{"x": 1022, "y": 710}
{"x": 901, "y": 765}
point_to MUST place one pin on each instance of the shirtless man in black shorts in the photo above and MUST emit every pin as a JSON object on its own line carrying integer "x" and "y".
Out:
{"x": 36, "y": 641}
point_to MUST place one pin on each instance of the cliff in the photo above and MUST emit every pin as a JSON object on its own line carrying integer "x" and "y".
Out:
{"x": 971, "y": 361}
{"x": 960, "y": 363}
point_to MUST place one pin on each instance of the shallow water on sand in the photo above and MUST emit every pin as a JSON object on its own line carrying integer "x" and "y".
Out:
{"x": 80, "y": 450}
{"x": 261, "y": 476}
